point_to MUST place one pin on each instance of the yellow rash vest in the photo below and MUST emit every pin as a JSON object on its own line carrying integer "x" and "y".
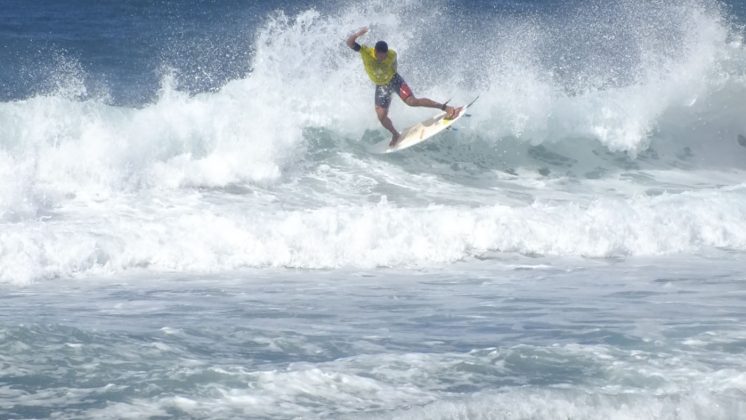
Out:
{"x": 381, "y": 72}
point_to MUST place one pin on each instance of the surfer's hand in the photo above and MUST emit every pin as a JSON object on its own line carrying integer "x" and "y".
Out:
{"x": 452, "y": 112}
{"x": 352, "y": 38}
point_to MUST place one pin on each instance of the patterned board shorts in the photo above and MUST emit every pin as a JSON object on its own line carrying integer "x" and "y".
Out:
{"x": 398, "y": 85}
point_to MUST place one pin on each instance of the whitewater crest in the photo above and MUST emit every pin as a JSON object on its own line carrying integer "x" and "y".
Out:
{"x": 543, "y": 80}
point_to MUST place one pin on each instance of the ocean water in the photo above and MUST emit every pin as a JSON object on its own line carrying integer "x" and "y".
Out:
{"x": 191, "y": 225}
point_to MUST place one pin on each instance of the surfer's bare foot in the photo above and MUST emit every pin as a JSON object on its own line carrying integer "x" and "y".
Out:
{"x": 394, "y": 140}
{"x": 452, "y": 112}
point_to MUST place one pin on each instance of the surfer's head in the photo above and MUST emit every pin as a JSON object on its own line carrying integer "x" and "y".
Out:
{"x": 382, "y": 50}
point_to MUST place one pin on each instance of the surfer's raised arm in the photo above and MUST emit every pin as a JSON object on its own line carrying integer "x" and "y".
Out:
{"x": 352, "y": 40}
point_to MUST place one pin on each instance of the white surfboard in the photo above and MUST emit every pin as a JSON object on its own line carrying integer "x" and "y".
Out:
{"x": 420, "y": 132}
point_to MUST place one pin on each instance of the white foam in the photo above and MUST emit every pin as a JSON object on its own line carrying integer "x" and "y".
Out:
{"x": 209, "y": 240}
{"x": 578, "y": 404}
{"x": 527, "y": 99}
{"x": 416, "y": 385}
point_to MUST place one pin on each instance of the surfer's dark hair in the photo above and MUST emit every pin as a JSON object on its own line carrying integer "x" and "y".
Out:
{"x": 382, "y": 46}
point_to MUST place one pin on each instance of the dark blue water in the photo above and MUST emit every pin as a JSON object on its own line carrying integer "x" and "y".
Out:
{"x": 122, "y": 49}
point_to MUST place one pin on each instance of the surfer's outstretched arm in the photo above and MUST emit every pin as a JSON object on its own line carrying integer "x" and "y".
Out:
{"x": 352, "y": 39}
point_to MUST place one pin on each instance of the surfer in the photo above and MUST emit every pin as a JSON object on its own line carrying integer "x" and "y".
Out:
{"x": 380, "y": 64}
